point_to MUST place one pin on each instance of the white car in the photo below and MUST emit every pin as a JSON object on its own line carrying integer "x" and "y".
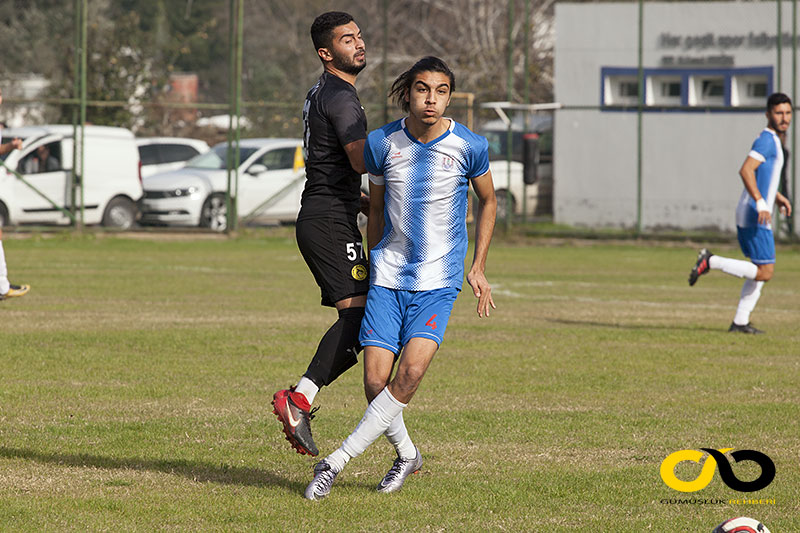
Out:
{"x": 271, "y": 181}
{"x": 510, "y": 186}
{"x": 111, "y": 182}
{"x": 160, "y": 154}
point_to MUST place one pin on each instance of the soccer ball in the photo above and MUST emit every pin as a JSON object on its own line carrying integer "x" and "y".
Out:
{"x": 741, "y": 525}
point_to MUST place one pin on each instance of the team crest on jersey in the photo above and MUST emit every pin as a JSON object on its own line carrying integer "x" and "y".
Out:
{"x": 359, "y": 272}
{"x": 448, "y": 163}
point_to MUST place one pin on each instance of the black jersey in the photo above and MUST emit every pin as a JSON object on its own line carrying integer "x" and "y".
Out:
{"x": 332, "y": 117}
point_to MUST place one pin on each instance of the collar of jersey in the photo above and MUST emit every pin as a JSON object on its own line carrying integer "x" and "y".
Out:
{"x": 434, "y": 141}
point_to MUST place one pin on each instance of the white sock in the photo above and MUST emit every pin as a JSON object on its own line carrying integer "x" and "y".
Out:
{"x": 397, "y": 434}
{"x": 734, "y": 267}
{"x": 751, "y": 292}
{"x": 4, "y": 285}
{"x": 307, "y": 388}
{"x": 377, "y": 419}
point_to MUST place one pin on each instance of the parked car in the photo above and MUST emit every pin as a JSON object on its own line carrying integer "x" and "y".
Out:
{"x": 160, "y": 154}
{"x": 111, "y": 180}
{"x": 532, "y": 178}
{"x": 271, "y": 181}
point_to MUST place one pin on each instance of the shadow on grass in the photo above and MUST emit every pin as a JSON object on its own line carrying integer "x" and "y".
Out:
{"x": 642, "y": 327}
{"x": 194, "y": 470}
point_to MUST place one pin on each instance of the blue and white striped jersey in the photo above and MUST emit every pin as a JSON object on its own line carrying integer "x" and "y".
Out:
{"x": 425, "y": 205}
{"x": 767, "y": 149}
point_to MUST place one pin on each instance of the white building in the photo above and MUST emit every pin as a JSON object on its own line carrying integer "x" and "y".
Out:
{"x": 721, "y": 55}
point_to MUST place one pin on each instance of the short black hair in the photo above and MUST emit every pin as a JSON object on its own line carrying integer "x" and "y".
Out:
{"x": 322, "y": 28}
{"x": 402, "y": 85}
{"x": 777, "y": 99}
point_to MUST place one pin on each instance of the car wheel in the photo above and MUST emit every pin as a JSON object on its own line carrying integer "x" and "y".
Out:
{"x": 3, "y": 215}
{"x": 503, "y": 202}
{"x": 120, "y": 213}
{"x": 214, "y": 215}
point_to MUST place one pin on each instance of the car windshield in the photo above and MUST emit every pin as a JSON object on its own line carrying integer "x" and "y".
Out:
{"x": 498, "y": 143}
{"x": 217, "y": 157}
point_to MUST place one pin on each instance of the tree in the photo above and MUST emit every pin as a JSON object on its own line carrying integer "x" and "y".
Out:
{"x": 132, "y": 58}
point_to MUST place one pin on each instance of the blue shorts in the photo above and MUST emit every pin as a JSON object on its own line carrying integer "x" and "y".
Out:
{"x": 393, "y": 317}
{"x": 757, "y": 243}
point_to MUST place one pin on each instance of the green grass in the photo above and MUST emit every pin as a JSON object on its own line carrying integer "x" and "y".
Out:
{"x": 135, "y": 382}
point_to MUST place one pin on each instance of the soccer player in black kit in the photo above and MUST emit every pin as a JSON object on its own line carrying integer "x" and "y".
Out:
{"x": 327, "y": 227}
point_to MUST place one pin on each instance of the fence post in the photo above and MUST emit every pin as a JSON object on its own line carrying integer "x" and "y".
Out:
{"x": 779, "y": 43}
{"x": 509, "y": 134}
{"x": 639, "y": 111}
{"x": 525, "y": 100}
{"x": 84, "y": 63}
{"x": 76, "y": 90}
{"x": 231, "y": 97}
{"x": 794, "y": 122}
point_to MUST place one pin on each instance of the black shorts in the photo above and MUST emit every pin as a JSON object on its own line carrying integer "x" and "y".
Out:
{"x": 333, "y": 250}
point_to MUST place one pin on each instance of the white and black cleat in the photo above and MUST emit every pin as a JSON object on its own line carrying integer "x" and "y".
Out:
{"x": 401, "y": 469}
{"x": 320, "y": 486}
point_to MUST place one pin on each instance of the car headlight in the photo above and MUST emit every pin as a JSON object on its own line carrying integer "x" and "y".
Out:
{"x": 178, "y": 193}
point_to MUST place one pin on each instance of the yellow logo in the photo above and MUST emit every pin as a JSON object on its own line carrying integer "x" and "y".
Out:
{"x": 359, "y": 272}
{"x": 706, "y": 473}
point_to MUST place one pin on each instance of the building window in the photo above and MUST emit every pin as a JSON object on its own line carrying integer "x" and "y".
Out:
{"x": 621, "y": 90}
{"x": 716, "y": 88}
{"x": 664, "y": 90}
{"x": 749, "y": 90}
{"x": 706, "y": 90}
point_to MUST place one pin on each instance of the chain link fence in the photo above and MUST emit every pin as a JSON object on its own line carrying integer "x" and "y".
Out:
{"x": 642, "y": 111}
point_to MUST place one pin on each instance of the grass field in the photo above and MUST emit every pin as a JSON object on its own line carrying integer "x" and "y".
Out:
{"x": 135, "y": 382}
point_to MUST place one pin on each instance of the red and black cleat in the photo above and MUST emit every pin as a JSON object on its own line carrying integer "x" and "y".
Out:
{"x": 295, "y": 413}
{"x": 701, "y": 267}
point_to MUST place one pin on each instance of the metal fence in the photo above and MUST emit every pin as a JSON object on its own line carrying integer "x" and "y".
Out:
{"x": 637, "y": 85}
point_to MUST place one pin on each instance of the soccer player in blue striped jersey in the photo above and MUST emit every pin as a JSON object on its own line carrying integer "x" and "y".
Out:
{"x": 761, "y": 174}
{"x": 420, "y": 169}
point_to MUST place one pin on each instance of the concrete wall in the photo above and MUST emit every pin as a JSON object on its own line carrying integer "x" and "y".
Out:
{"x": 690, "y": 159}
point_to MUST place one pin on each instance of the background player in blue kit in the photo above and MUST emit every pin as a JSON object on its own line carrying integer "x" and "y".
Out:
{"x": 420, "y": 168}
{"x": 761, "y": 174}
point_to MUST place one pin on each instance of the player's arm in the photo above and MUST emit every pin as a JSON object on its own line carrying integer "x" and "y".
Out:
{"x": 375, "y": 222}
{"x": 355, "y": 153}
{"x": 748, "y": 174}
{"x": 784, "y": 204}
{"x": 484, "y": 227}
{"x": 15, "y": 144}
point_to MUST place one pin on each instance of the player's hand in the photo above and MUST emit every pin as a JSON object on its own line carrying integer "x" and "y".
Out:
{"x": 483, "y": 292}
{"x": 764, "y": 217}
{"x": 785, "y": 207}
{"x": 364, "y": 207}
{"x": 16, "y": 143}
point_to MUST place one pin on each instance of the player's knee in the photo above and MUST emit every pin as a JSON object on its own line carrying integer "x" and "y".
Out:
{"x": 351, "y": 317}
{"x": 765, "y": 272}
{"x": 408, "y": 378}
{"x": 373, "y": 385}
